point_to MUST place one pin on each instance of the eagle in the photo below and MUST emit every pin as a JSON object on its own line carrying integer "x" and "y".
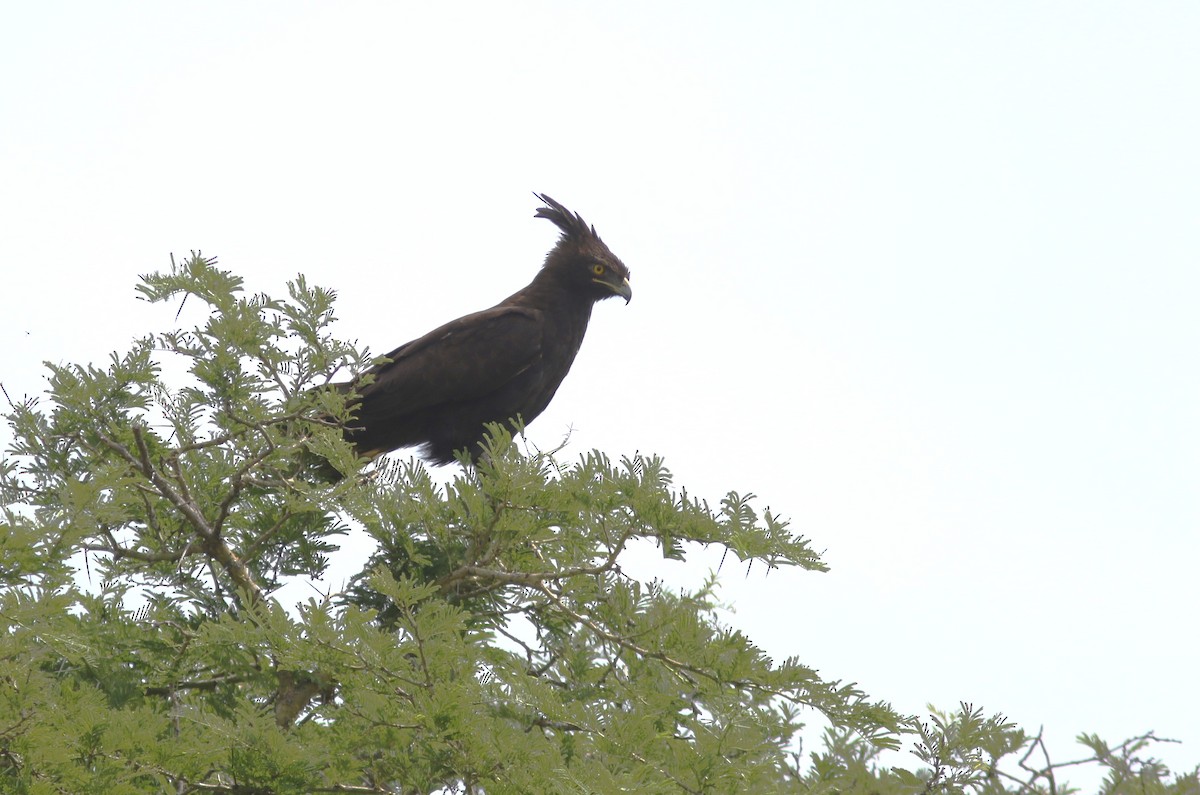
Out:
{"x": 499, "y": 365}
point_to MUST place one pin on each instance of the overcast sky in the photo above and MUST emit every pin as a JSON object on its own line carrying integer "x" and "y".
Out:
{"x": 924, "y": 276}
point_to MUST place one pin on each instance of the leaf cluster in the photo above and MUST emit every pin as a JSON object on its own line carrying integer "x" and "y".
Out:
{"x": 494, "y": 642}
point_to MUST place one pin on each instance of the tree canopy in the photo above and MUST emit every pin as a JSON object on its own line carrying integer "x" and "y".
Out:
{"x": 153, "y": 506}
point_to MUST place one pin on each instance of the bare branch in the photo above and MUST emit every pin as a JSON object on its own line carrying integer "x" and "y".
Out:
{"x": 199, "y": 684}
{"x": 118, "y": 552}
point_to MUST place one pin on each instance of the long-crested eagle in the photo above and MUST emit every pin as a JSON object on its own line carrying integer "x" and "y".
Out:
{"x": 498, "y": 365}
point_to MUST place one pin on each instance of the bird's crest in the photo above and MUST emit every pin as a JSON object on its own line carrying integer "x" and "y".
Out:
{"x": 572, "y": 224}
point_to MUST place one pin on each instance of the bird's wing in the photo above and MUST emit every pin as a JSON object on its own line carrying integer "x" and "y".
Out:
{"x": 462, "y": 360}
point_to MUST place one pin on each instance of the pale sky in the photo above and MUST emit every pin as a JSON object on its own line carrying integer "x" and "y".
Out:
{"x": 922, "y": 275}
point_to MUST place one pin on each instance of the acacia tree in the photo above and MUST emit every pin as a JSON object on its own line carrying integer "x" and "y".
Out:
{"x": 152, "y": 508}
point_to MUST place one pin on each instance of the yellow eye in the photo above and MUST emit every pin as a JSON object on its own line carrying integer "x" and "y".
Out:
{"x": 598, "y": 269}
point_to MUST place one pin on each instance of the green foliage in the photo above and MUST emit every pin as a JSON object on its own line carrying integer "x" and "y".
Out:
{"x": 493, "y": 643}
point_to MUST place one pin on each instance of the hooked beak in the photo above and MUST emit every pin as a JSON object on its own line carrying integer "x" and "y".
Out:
{"x": 623, "y": 289}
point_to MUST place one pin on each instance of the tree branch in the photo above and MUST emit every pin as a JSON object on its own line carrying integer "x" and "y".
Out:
{"x": 211, "y": 540}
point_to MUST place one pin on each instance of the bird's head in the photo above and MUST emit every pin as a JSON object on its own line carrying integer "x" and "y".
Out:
{"x": 581, "y": 257}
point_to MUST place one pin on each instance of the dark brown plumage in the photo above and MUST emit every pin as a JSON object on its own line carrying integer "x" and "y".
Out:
{"x": 506, "y": 362}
